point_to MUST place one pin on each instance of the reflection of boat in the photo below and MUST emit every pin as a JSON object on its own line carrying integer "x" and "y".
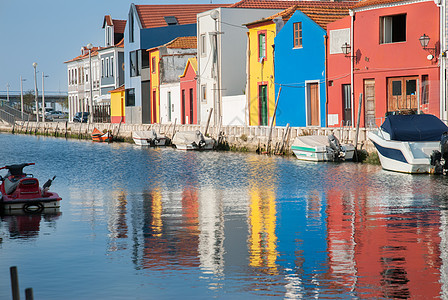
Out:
{"x": 149, "y": 138}
{"x": 98, "y": 136}
{"x": 405, "y": 143}
{"x": 26, "y": 225}
{"x": 321, "y": 148}
{"x": 20, "y": 191}
{"x": 192, "y": 140}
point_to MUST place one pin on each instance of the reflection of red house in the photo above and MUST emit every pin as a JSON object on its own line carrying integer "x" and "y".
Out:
{"x": 188, "y": 101}
{"x": 382, "y": 251}
{"x": 390, "y": 67}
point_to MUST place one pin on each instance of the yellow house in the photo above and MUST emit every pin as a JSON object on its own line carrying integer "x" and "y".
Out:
{"x": 261, "y": 92}
{"x": 117, "y": 105}
{"x": 154, "y": 77}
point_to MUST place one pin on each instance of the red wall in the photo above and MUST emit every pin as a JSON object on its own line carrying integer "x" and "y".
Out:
{"x": 381, "y": 61}
{"x": 186, "y": 83}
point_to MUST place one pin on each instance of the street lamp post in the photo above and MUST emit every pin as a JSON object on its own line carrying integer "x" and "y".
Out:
{"x": 43, "y": 97}
{"x": 21, "y": 95}
{"x": 35, "y": 92}
{"x": 90, "y": 46}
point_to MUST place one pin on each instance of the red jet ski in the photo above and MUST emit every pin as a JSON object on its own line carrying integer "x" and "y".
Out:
{"x": 20, "y": 191}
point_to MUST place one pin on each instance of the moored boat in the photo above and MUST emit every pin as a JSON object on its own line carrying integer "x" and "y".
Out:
{"x": 192, "y": 140}
{"x": 98, "y": 136}
{"x": 410, "y": 143}
{"x": 21, "y": 192}
{"x": 321, "y": 148}
{"x": 149, "y": 138}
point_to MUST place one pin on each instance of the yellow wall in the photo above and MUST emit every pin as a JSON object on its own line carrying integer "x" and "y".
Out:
{"x": 261, "y": 72}
{"x": 155, "y": 84}
{"x": 117, "y": 106}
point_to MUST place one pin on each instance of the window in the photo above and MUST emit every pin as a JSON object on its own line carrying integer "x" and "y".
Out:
{"x": 153, "y": 64}
{"x": 108, "y": 36}
{"x": 130, "y": 97}
{"x": 145, "y": 60}
{"x": 261, "y": 45}
{"x": 134, "y": 63}
{"x": 131, "y": 27}
{"x": 102, "y": 67}
{"x": 203, "y": 45}
{"x": 298, "y": 35}
{"x": 204, "y": 93}
{"x": 111, "y": 67}
{"x": 171, "y": 20}
{"x": 425, "y": 89}
{"x": 107, "y": 67}
{"x": 393, "y": 29}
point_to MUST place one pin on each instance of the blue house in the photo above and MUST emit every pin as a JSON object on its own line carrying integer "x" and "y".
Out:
{"x": 150, "y": 26}
{"x": 300, "y": 64}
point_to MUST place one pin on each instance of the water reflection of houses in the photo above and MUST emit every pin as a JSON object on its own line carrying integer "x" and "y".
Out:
{"x": 382, "y": 250}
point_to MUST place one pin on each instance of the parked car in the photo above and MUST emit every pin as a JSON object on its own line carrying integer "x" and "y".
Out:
{"x": 55, "y": 115}
{"x": 77, "y": 118}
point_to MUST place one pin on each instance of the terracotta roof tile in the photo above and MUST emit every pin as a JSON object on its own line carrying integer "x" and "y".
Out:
{"x": 119, "y": 25}
{"x": 107, "y": 20}
{"x": 366, "y": 3}
{"x": 184, "y": 42}
{"x": 85, "y": 55}
{"x": 321, "y": 12}
{"x": 118, "y": 89}
{"x": 153, "y": 15}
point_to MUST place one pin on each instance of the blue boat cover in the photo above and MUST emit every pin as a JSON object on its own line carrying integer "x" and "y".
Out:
{"x": 414, "y": 128}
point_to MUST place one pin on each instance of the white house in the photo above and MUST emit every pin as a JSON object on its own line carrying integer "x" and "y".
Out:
{"x": 222, "y": 46}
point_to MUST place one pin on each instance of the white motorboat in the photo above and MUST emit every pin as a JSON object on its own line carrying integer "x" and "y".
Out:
{"x": 149, "y": 138}
{"x": 192, "y": 140}
{"x": 321, "y": 148}
{"x": 410, "y": 143}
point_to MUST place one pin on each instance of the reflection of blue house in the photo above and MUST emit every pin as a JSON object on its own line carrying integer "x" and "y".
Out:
{"x": 150, "y": 26}
{"x": 300, "y": 65}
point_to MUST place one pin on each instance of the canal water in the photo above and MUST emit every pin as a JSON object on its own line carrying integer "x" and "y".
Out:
{"x": 139, "y": 223}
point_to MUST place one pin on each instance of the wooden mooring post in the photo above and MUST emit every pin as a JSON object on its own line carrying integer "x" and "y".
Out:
{"x": 15, "y": 286}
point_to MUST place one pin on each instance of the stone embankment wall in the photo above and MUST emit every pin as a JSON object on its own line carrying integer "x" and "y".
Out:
{"x": 243, "y": 138}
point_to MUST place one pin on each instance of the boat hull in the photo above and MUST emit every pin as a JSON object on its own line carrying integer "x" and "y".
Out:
{"x": 30, "y": 205}
{"x": 404, "y": 157}
{"x": 146, "y": 139}
{"x": 316, "y": 148}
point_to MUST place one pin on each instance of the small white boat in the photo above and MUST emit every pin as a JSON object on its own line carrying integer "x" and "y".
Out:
{"x": 192, "y": 140}
{"x": 321, "y": 148}
{"x": 410, "y": 143}
{"x": 149, "y": 138}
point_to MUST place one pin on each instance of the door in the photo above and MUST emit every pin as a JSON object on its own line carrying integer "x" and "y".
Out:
{"x": 154, "y": 107}
{"x": 346, "y": 104}
{"x": 402, "y": 93}
{"x": 183, "y": 107}
{"x": 313, "y": 104}
{"x": 369, "y": 98}
{"x": 191, "y": 106}
{"x": 263, "y": 105}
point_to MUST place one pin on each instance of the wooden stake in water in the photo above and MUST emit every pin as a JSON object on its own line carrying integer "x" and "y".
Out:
{"x": 357, "y": 126}
{"x": 29, "y": 294}
{"x": 14, "y": 283}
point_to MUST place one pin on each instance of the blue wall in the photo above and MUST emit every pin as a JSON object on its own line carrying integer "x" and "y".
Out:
{"x": 295, "y": 67}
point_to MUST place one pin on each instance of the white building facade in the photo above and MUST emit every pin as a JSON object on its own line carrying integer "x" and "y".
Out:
{"x": 222, "y": 51}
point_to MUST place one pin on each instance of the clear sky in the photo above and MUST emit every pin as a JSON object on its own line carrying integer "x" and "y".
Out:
{"x": 50, "y": 32}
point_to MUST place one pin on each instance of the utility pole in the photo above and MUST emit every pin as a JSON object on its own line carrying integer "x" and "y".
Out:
{"x": 35, "y": 92}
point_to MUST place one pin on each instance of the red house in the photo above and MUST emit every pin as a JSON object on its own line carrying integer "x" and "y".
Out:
{"x": 378, "y": 51}
{"x": 189, "y": 104}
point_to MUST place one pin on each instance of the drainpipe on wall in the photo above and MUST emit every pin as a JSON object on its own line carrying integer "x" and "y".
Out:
{"x": 246, "y": 112}
{"x": 352, "y": 62}
{"x": 442, "y": 57}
